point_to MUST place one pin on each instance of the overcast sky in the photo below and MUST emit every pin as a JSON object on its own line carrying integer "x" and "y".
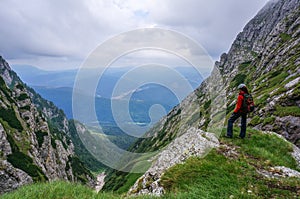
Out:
{"x": 60, "y": 34}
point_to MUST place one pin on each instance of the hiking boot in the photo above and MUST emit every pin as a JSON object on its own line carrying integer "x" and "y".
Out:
{"x": 227, "y": 136}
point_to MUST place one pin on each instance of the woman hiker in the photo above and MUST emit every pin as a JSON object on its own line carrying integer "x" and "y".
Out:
{"x": 238, "y": 112}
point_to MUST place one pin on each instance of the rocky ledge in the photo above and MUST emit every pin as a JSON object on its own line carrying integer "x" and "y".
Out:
{"x": 194, "y": 142}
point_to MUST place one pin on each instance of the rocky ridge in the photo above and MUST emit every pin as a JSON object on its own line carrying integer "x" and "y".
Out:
{"x": 35, "y": 137}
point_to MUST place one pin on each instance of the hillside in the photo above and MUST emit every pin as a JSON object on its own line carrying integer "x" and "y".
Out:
{"x": 265, "y": 56}
{"x": 36, "y": 143}
{"x": 235, "y": 169}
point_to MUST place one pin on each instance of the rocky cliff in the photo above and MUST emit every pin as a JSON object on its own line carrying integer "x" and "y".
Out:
{"x": 265, "y": 56}
{"x": 35, "y": 137}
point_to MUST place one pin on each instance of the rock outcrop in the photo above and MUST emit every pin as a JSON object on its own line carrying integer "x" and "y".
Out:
{"x": 194, "y": 142}
{"x": 35, "y": 138}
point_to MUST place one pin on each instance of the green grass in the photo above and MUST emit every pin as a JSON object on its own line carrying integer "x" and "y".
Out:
{"x": 120, "y": 182}
{"x": 285, "y": 37}
{"x": 266, "y": 150}
{"x": 238, "y": 79}
{"x": 244, "y": 65}
{"x": 62, "y": 190}
{"x": 255, "y": 121}
{"x": 273, "y": 80}
{"x": 131, "y": 178}
{"x": 269, "y": 120}
{"x": 57, "y": 190}
{"x": 217, "y": 176}
{"x": 287, "y": 110}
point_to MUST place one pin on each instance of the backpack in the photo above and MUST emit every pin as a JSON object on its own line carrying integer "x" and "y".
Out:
{"x": 248, "y": 103}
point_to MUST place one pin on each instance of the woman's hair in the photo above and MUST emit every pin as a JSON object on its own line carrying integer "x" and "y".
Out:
{"x": 245, "y": 89}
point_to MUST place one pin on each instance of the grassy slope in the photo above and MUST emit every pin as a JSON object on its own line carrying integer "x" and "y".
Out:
{"x": 57, "y": 189}
{"x": 219, "y": 176}
{"x": 212, "y": 176}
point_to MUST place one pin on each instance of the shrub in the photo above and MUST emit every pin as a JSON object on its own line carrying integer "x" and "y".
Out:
{"x": 27, "y": 107}
{"x": 238, "y": 79}
{"x": 5, "y": 90}
{"x": 25, "y": 163}
{"x": 53, "y": 143}
{"x": 13, "y": 145}
{"x": 207, "y": 104}
{"x": 285, "y": 37}
{"x": 23, "y": 96}
{"x": 40, "y": 137}
{"x": 10, "y": 117}
{"x": 20, "y": 86}
{"x": 79, "y": 169}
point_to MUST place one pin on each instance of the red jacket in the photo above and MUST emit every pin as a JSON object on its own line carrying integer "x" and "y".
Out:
{"x": 239, "y": 102}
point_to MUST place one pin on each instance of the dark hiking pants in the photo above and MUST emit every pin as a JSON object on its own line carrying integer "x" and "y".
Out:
{"x": 232, "y": 119}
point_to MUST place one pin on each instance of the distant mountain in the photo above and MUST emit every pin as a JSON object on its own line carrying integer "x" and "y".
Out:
{"x": 34, "y": 76}
{"x": 57, "y": 86}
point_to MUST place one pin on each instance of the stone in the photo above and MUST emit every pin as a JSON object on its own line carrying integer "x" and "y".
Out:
{"x": 194, "y": 142}
{"x": 100, "y": 181}
{"x": 292, "y": 83}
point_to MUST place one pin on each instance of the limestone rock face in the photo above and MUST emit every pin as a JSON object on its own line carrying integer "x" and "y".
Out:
{"x": 35, "y": 142}
{"x": 268, "y": 48}
{"x": 11, "y": 177}
{"x": 194, "y": 142}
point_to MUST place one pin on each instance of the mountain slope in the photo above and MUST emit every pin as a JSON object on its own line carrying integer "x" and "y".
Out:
{"x": 265, "y": 56}
{"x": 236, "y": 169}
{"x": 35, "y": 137}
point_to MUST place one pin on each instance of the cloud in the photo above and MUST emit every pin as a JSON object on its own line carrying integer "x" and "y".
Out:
{"x": 56, "y": 34}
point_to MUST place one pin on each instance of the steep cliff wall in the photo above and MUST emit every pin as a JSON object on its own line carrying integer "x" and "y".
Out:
{"x": 35, "y": 137}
